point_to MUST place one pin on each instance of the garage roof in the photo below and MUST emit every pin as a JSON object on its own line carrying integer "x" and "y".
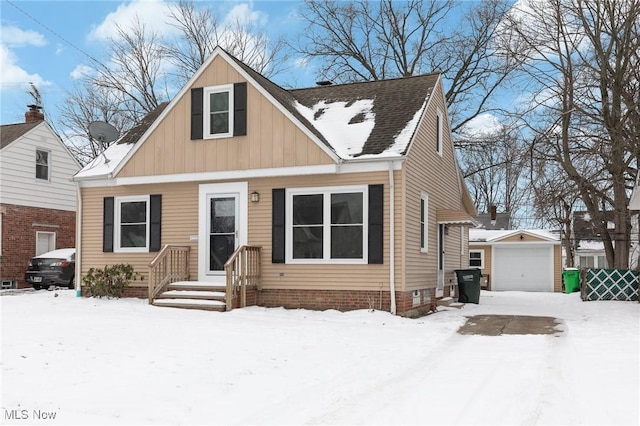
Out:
{"x": 489, "y": 236}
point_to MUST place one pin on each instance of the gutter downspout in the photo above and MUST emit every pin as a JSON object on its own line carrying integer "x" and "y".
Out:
{"x": 392, "y": 231}
{"x": 78, "y": 272}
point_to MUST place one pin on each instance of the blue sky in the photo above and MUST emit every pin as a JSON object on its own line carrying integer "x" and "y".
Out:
{"x": 48, "y": 42}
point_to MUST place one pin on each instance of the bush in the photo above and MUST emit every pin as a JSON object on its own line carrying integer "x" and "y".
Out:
{"x": 110, "y": 281}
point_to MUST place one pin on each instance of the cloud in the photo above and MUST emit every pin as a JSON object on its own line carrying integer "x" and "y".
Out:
{"x": 16, "y": 37}
{"x": 81, "y": 71}
{"x": 244, "y": 14}
{"x": 152, "y": 13}
{"x": 11, "y": 74}
{"x": 482, "y": 126}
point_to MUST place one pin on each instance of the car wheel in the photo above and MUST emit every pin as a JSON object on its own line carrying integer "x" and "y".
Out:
{"x": 37, "y": 287}
{"x": 72, "y": 283}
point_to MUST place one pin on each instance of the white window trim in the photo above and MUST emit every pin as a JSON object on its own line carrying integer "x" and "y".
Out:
{"x": 54, "y": 236}
{"x": 116, "y": 232}
{"x": 207, "y": 111}
{"x": 424, "y": 196}
{"x": 439, "y": 131}
{"x": 48, "y": 179}
{"x": 481, "y": 251}
{"x": 327, "y": 191}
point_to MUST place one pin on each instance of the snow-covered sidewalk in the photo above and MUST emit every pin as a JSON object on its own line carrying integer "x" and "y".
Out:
{"x": 93, "y": 361}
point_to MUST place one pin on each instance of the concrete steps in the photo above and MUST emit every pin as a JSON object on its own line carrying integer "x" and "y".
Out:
{"x": 450, "y": 302}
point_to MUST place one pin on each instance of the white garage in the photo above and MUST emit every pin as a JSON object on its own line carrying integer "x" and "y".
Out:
{"x": 522, "y": 267}
{"x": 517, "y": 260}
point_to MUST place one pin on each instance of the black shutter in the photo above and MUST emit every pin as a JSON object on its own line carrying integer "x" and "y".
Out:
{"x": 376, "y": 219}
{"x": 155, "y": 223}
{"x": 196, "y": 113}
{"x": 277, "y": 226}
{"x": 239, "y": 109}
{"x": 107, "y": 225}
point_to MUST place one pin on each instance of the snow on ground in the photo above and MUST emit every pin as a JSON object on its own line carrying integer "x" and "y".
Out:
{"x": 93, "y": 361}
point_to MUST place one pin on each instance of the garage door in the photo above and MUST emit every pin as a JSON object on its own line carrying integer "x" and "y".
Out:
{"x": 523, "y": 268}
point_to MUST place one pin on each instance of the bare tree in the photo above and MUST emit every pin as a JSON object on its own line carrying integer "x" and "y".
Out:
{"x": 494, "y": 167}
{"x": 201, "y": 32}
{"x": 362, "y": 40}
{"x": 84, "y": 105}
{"x": 579, "y": 57}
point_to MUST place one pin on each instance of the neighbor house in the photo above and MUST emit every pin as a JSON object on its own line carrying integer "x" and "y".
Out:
{"x": 522, "y": 260}
{"x": 349, "y": 196}
{"x": 37, "y": 195}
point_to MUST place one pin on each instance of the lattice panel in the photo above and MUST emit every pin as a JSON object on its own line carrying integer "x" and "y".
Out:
{"x": 611, "y": 284}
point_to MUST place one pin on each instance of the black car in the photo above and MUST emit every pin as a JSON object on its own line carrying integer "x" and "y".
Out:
{"x": 53, "y": 268}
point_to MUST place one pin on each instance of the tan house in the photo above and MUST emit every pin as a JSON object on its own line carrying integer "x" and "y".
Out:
{"x": 332, "y": 197}
{"x": 517, "y": 259}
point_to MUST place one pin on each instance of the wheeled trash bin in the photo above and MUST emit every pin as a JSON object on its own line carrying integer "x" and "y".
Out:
{"x": 468, "y": 285}
{"x": 571, "y": 280}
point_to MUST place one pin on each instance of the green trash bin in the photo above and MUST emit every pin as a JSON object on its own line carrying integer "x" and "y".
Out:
{"x": 571, "y": 280}
{"x": 468, "y": 285}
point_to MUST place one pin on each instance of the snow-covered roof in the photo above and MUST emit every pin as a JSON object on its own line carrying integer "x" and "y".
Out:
{"x": 493, "y": 235}
{"x": 365, "y": 120}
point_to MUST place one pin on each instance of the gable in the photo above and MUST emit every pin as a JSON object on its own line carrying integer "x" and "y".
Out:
{"x": 271, "y": 140}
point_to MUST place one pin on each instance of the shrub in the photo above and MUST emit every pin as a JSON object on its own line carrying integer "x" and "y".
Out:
{"x": 110, "y": 281}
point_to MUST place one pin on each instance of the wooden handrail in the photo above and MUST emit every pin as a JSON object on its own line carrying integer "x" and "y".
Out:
{"x": 242, "y": 270}
{"x": 170, "y": 265}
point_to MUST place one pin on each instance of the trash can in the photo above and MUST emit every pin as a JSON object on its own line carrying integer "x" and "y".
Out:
{"x": 468, "y": 285}
{"x": 571, "y": 280}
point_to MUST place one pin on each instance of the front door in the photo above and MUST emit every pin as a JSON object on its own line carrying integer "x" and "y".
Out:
{"x": 440, "y": 284}
{"x": 222, "y": 227}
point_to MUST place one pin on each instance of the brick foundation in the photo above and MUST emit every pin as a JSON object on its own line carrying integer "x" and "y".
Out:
{"x": 19, "y": 227}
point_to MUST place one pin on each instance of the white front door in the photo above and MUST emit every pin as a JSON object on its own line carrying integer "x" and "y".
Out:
{"x": 222, "y": 227}
{"x": 440, "y": 285}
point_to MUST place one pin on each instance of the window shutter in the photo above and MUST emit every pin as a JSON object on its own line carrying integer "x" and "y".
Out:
{"x": 197, "y": 113}
{"x": 376, "y": 228}
{"x": 155, "y": 223}
{"x": 277, "y": 225}
{"x": 239, "y": 109}
{"x": 107, "y": 225}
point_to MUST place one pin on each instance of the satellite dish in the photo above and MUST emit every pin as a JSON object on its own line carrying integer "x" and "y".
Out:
{"x": 104, "y": 133}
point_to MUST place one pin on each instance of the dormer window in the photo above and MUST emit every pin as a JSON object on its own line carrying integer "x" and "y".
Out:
{"x": 42, "y": 164}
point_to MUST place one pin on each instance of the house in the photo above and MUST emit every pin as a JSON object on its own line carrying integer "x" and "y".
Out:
{"x": 37, "y": 196}
{"x": 522, "y": 260}
{"x": 493, "y": 219}
{"x": 589, "y": 249}
{"x": 349, "y": 196}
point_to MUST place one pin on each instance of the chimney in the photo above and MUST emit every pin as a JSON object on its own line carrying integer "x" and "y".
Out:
{"x": 33, "y": 115}
{"x": 494, "y": 214}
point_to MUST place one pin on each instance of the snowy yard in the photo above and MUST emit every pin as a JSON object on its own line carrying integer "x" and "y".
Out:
{"x": 91, "y": 361}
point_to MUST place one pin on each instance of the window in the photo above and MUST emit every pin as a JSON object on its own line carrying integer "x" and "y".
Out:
{"x": 132, "y": 223}
{"x": 42, "y": 164}
{"x": 327, "y": 225}
{"x": 476, "y": 259}
{"x": 218, "y": 107}
{"x": 424, "y": 222}
{"x": 45, "y": 242}
{"x": 439, "y": 132}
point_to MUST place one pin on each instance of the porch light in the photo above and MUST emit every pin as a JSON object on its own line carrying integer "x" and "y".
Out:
{"x": 255, "y": 197}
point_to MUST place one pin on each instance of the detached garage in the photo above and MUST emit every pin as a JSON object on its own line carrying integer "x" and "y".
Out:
{"x": 520, "y": 260}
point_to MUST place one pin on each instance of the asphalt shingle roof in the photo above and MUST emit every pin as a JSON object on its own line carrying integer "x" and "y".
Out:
{"x": 11, "y": 132}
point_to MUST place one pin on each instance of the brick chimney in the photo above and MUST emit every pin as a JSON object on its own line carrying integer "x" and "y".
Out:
{"x": 34, "y": 114}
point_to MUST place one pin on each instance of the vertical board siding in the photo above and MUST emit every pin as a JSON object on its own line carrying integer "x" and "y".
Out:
{"x": 272, "y": 140}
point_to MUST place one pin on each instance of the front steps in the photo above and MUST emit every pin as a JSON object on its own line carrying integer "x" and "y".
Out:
{"x": 193, "y": 295}
{"x": 449, "y": 302}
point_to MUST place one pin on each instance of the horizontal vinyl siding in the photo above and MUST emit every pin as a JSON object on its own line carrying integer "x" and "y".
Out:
{"x": 18, "y": 184}
{"x": 437, "y": 175}
{"x": 271, "y": 141}
{"x": 180, "y": 221}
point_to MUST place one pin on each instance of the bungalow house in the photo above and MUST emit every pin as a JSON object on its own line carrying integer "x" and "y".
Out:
{"x": 37, "y": 196}
{"x": 337, "y": 196}
{"x": 517, "y": 259}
